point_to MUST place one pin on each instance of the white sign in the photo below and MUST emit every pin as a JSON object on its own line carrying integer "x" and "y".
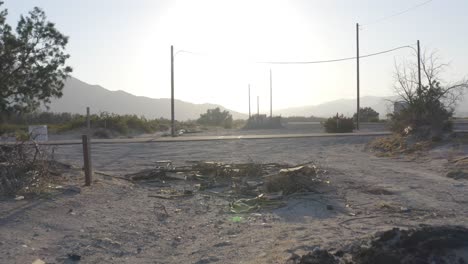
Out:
{"x": 38, "y": 133}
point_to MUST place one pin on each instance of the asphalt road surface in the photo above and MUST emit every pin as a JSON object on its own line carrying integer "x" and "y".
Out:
{"x": 121, "y": 158}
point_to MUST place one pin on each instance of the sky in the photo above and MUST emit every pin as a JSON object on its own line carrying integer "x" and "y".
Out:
{"x": 125, "y": 45}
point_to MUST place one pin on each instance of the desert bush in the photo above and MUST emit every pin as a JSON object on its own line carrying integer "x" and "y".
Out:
{"x": 12, "y": 129}
{"x": 427, "y": 120}
{"x": 338, "y": 124}
{"x": 23, "y": 169}
{"x": 397, "y": 144}
{"x": 367, "y": 114}
{"x": 390, "y": 144}
{"x": 427, "y": 106}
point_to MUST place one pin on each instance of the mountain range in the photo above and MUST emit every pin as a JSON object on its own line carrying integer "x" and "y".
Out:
{"x": 346, "y": 107}
{"x": 77, "y": 95}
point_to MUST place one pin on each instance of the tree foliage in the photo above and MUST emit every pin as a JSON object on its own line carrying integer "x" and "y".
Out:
{"x": 216, "y": 117}
{"x": 367, "y": 114}
{"x": 32, "y": 62}
{"x": 428, "y": 108}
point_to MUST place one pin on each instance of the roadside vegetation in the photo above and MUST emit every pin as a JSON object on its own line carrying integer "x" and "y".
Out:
{"x": 33, "y": 64}
{"x": 425, "y": 110}
{"x": 216, "y": 117}
{"x": 339, "y": 124}
{"x": 104, "y": 124}
{"x": 367, "y": 114}
{"x": 107, "y": 125}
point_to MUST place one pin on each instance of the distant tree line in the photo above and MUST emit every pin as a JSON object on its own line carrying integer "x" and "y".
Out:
{"x": 61, "y": 122}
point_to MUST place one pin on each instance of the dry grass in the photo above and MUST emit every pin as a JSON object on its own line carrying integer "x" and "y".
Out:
{"x": 24, "y": 169}
{"x": 397, "y": 144}
{"x": 293, "y": 180}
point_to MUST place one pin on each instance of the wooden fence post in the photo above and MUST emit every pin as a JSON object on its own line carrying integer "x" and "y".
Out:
{"x": 88, "y": 170}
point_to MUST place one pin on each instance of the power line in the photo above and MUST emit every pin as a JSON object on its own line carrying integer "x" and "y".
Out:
{"x": 335, "y": 60}
{"x": 397, "y": 14}
{"x": 314, "y": 62}
{"x": 190, "y": 52}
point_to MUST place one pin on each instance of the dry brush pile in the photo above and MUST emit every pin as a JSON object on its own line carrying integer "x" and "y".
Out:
{"x": 250, "y": 186}
{"x": 24, "y": 168}
{"x": 398, "y": 144}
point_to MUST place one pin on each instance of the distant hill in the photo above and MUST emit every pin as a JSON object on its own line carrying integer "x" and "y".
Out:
{"x": 77, "y": 95}
{"x": 341, "y": 106}
{"x": 348, "y": 107}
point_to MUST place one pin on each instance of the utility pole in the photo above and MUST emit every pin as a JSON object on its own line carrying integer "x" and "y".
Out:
{"x": 258, "y": 106}
{"x": 357, "y": 83}
{"x": 172, "y": 93}
{"x": 88, "y": 121}
{"x": 271, "y": 95}
{"x": 419, "y": 67}
{"x": 249, "y": 102}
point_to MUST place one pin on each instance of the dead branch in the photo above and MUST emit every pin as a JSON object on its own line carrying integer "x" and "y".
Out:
{"x": 358, "y": 218}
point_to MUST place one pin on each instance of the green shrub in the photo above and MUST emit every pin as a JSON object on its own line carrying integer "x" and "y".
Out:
{"x": 22, "y": 135}
{"x": 338, "y": 124}
{"x": 424, "y": 117}
{"x": 12, "y": 129}
{"x": 216, "y": 117}
{"x": 367, "y": 114}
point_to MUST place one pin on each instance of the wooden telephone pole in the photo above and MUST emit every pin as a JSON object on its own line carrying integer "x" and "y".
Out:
{"x": 357, "y": 83}
{"x": 249, "y": 103}
{"x": 271, "y": 95}
{"x": 419, "y": 67}
{"x": 172, "y": 93}
{"x": 258, "y": 106}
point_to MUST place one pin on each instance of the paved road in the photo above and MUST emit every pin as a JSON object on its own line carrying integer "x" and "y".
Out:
{"x": 293, "y": 130}
{"x": 211, "y": 138}
{"x": 122, "y": 158}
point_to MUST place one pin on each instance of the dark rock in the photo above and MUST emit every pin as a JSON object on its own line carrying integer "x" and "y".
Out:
{"x": 223, "y": 244}
{"x": 427, "y": 244}
{"x": 318, "y": 256}
{"x": 74, "y": 257}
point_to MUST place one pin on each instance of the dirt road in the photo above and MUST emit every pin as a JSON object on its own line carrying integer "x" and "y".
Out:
{"x": 115, "y": 221}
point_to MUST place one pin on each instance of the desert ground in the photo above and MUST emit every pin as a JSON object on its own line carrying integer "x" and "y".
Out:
{"x": 118, "y": 221}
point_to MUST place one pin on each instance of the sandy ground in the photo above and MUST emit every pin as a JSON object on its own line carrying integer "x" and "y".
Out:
{"x": 115, "y": 221}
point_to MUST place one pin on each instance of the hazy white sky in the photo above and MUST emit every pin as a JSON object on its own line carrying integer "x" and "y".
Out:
{"x": 125, "y": 45}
